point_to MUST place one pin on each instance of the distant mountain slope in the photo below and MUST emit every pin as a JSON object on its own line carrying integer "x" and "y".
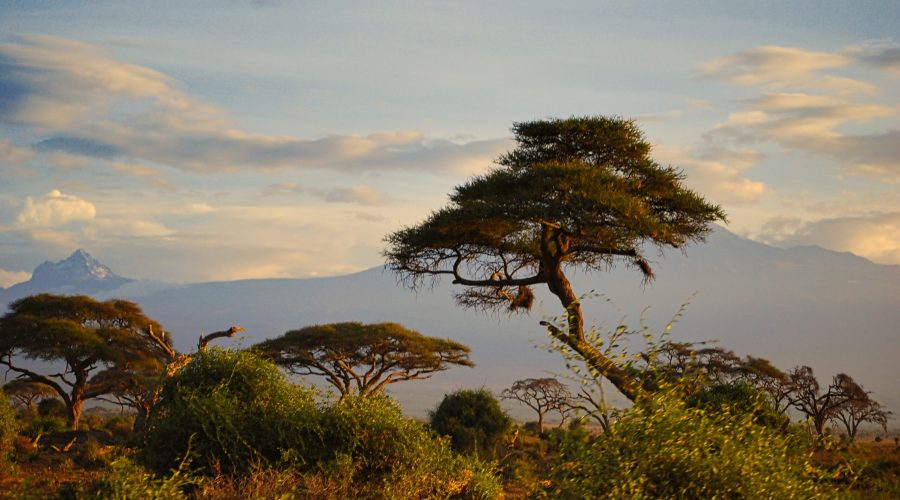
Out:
{"x": 833, "y": 311}
{"x": 803, "y": 306}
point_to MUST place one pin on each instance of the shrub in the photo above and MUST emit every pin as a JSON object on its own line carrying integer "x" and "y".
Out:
{"x": 52, "y": 407}
{"x": 227, "y": 410}
{"x": 9, "y": 428}
{"x": 665, "y": 449}
{"x": 472, "y": 419}
{"x": 371, "y": 450}
{"x": 739, "y": 397}
{"x": 45, "y": 425}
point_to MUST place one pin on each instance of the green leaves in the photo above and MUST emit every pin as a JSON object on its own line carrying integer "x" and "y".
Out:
{"x": 363, "y": 358}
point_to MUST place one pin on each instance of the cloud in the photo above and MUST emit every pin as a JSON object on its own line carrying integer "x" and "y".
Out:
{"x": 880, "y": 54}
{"x": 85, "y": 103}
{"x": 784, "y": 67}
{"x": 13, "y": 158}
{"x": 802, "y": 108}
{"x": 151, "y": 175}
{"x": 874, "y": 236}
{"x": 361, "y": 195}
{"x": 54, "y": 209}
{"x": 9, "y": 278}
{"x": 717, "y": 172}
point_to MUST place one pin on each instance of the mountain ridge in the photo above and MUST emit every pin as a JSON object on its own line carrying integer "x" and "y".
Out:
{"x": 792, "y": 306}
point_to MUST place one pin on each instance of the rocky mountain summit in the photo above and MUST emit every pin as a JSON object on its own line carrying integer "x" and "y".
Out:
{"x": 80, "y": 273}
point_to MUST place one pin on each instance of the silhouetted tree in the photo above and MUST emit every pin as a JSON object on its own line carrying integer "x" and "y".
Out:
{"x": 767, "y": 377}
{"x": 820, "y": 406}
{"x": 858, "y": 409}
{"x": 363, "y": 359}
{"x": 26, "y": 394}
{"x": 542, "y": 395}
{"x": 577, "y": 193}
{"x": 86, "y": 335}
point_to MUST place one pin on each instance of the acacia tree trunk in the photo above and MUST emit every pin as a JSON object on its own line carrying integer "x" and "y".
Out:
{"x": 75, "y": 407}
{"x": 554, "y": 246}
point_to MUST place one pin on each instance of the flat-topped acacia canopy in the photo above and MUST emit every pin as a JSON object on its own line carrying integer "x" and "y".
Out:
{"x": 575, "y": 193}
{"x": 363, "y": 358}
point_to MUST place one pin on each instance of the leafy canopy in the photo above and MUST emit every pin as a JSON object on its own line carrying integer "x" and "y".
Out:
{"x": 87, "y": 336}
{"x": 574, "y": 193}
{"x": 363, "y": 358}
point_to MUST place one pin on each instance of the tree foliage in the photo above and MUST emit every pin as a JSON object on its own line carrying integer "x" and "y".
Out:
{"x": 361, "y": 358}
{"x": 577, "y": 193}
{"x": 87, "y": 336}
{"x": 472, "y": 418}
{"x": 26, "y": 394}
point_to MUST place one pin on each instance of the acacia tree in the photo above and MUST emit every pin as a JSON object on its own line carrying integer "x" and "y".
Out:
{"x": 542, "y": 395}
{"x": 363, "y": 359}
{"x": 766, "y": 376}
{"x": 821, "y": 406}
{"x": 577, "y": 193}
{"x": 86, "y": 335}
{"x": 859, "y": 408}
{"x": 26, "y": 394}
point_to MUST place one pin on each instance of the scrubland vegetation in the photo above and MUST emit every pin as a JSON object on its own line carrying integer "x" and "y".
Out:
{"x": 579, "y": 193}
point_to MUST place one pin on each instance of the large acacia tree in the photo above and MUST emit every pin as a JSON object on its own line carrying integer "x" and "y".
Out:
{"x": 577, "y": 193}
{"x": 73, "y": 338}
{"x": 362, "y": 359}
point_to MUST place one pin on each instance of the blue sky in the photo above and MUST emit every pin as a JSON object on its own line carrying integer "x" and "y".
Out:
{"x": 240, "y": 139}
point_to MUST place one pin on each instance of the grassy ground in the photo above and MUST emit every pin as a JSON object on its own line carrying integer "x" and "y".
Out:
{"x": 865, "y": 469}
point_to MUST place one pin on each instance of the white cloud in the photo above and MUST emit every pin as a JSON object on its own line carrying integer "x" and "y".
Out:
{"x": 784, "y": 67}
{"x": 9, "y": 278}
{"x": 805, "y": 110}
{"x": 54, "y": 209}
{"x": 717, "y": 173}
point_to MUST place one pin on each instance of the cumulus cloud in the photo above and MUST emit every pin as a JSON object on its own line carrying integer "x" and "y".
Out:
{"x": 9, "y": 278}
{"x": 88, "y": 104}
{"x": 54, "y": 209}
{"x": 716, "y": 172}
{"x": 874, "y": 236}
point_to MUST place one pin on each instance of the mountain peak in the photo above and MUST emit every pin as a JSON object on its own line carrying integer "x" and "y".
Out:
{"x": 79, "y": 268}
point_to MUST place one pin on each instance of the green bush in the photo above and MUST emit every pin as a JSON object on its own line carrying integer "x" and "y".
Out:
{"x": 739, "y": 397}
{"x": 9, "y": 427}
{"x": 472, "y": 419}
{"x": 225, "y": 411}
{"x": 665, "y": 449}
{"x": 45, "y": 425}
{"x": 52, "y": 407}
{"x": 371, "y": 450}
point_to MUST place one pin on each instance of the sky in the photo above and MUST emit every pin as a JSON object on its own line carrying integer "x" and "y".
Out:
{"x": 233, "y": 139}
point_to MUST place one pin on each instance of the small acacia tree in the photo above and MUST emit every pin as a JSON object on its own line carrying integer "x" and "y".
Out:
{"x": 818, "y": 405}
{"x": 362, "y": 359}
{"x": 577, "y": 193}
{"x": 859, "y": 409}
{"x": 86, "y": 335}
{"x": 542, "y": 395}
{"x": 26, "y": 394}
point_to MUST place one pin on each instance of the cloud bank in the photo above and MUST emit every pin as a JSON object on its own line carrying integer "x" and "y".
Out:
{"x": 85, "y": 103}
